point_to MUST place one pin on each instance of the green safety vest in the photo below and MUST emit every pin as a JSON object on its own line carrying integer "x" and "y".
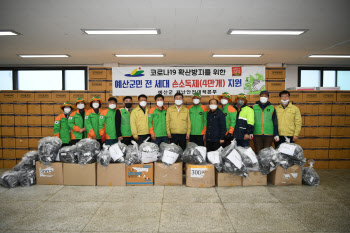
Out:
{"x": 198, "y": 118}
{"x": 157, "y": 122}
{"x": 263, "y": 120}
{"x": 125, "y": 123}
{"x": 108, "y": 118}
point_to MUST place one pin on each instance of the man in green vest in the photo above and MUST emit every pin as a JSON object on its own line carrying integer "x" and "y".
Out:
{"x": 109, "y": 123}
{"x": 125, "y": 121}
{"x": 198, "y": 116}
{"x": 265, "y": 123}
{"x": 230, "y": 117}
{"x": 76, "y": 122}
{"x": 92, "y": 118}
{"x": 61, "y": 128}
{"x": 157, "y": 121}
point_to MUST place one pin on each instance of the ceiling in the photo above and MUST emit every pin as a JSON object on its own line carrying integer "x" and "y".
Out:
{"x": 191, "y": 30}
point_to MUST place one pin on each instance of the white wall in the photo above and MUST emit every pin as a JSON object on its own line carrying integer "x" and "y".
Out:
{"x": 291, "y": 76}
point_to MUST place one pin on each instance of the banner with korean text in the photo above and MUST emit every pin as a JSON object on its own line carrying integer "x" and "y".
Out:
{"x": 137, "y": 80}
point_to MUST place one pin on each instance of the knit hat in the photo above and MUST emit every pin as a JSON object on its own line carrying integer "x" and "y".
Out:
{"x": 66, "y": 104}
{"x": 94, "y": 99}
{"x": 241, "y": 96}
{"x": 80, "y": 99}
{"x": 227, "y": 95}
{"x": 197, "y": 94}
{"x": 265, "y": 92}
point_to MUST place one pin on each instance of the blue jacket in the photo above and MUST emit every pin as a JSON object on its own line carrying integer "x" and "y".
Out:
{"x": 216, "y": 126}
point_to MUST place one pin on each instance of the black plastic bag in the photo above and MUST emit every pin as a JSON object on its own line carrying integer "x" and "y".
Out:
{"x": 87, "y": 151}
{"x": 48, "y": 149}
{"x": 233, "y": 161}
{"x": 27, "y": 178}
{"x": 310, "y": 176}
{"x": 27, "y": 162}
{"x": 68, "y": 154}
{"x": 249, "y": 158}
{"x": 132, "y": 154}
{"x": 10, "y": 179}
{"x": 269, "y": 159}
{"x": 291, "y": 154}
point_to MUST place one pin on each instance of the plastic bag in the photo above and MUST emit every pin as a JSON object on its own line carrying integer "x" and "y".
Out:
{"x": 194, "y": 154}
{"x": 132, "y": 154}
{"x": 291, "y": 154}
{"x": 10, "y": 179}
{"x": 87, "y": 150}
{"x": 48, "y": 149}
{"x": 149, "y": 152}
{"x": 249, "y": 158}
{"x": 215, "y": 158}
{"x": 269, "y": 159}
{"x": 169, "y": 153}
{"x": 117, "y": 152}
{"x": 310, "y": 176}
{"x": 104, "y": 157}
{"x": 27, "y": 178}
{"x": 233, "y": 161}
{"x": 27, "y": 162}
{"x": 68, "y": 154}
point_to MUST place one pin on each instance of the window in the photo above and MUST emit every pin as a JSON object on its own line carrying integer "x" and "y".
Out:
{"x": 43, "y": 78}
{"x": 324, "y": 77}
{"x": 6, "y": 81}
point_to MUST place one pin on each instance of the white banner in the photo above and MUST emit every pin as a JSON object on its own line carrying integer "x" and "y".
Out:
{"x": 138, "y": 80}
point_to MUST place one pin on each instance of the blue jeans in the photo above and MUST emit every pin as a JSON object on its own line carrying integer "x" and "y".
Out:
{"x": 110, "y": 142}
{"x": 159, "y": 140}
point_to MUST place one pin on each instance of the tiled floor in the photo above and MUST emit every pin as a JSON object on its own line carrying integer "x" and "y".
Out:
{"x": 179, "y": 209}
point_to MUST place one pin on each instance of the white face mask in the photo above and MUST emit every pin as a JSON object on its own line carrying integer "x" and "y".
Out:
{"x": 81, "y": 106}
{"x": 196, "y": 101}
{"x": 160, "y": 103}
{"x": 95, "y": 105}
{"x": 224, "y": 101}
{"x": 143, "y": 104}
{"x": 112, "y": 106}
{"x": 66, "y": 110}
{"x": 213, "y": 106}
{"x": 178, "y": 102}
{"x": 284, "y": 101}
{"x": 263, "y": 100}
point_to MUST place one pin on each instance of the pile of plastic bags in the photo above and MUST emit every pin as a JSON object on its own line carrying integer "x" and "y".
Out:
{"x": 249, "y": 158}
{"x": 269, "y": 159}
{"x": 112, "y": 154}
{"x": 291, "y": 154}
{"x": 149, "y": 152}
{"x": 169, "y": 153}
{"x": 48, "y": 149}
{"x": 132, "y": 154}
{"x": 310, "y": 176}
{"x": 194, "y": 154}
{"x": 215, "y": 158}
{"x": 27, "y": 162}
{"x": 87, "y": 151}
{"x": 232, "y": 160}
{"x": 68, "y": 154}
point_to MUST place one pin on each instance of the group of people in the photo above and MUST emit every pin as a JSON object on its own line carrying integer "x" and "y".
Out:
{"x": 217, "y": 126}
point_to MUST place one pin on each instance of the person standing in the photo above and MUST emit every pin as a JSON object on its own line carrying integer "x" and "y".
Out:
{"x": 125, "y": 121}
{"x": 198, "y": 116}
{"x": 265, "y": 123}
{"x": 61, "y": 128}
{"x": 92, "y": 118}
{"x": 157, "y": 121}
{"x": 139, "y": 120}
{"x": 289, "y": 120}
{"x": 76, "y": 122}
{"x": 216, "y": 127}
{"x": 109, "y": 123}
{"x": 178, "y": 123}
{"x": 230, "y": 116}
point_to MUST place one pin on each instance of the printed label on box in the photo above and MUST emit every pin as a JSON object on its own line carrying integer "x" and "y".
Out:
{"x": 46, "y": 172}
{"x": 198, "y": 172}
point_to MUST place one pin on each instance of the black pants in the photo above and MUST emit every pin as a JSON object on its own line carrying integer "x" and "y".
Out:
{"x": 74, "y": 141}
{"x": 127, "y": 140}
{"x": 213, "y": 146}
{"x": 282, "y": 140}
{"x": 143, "y": 138}
{"x": 261, "y": 142}
{"x": 65, "y": 144}
{"x": 227, "y": 141}
{"x": 179, "y": 139}
{"x": 99, "y": 141}
{"x": 198, "y": 139}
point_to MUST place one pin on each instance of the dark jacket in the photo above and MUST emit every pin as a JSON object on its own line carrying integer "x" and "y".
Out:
{"x": 216, "y": 126}
{"x": 244, "y": 122}
{"x": 274, "y": 116}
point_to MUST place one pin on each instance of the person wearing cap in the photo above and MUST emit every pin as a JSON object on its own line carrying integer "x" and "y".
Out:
{"x": 125, "y": 121}
{"x": 198, "y": 116}
{"x": 230, "y": 117}
{"x": 289, "y": 120}
{"x": 265, "y": 123}
{"x": 178, "y": 123}
{"x": 61, "y": 128}
{"x": 76, "y": 122}
{"x": 157, "y": 121}
{"x": 216, "y": 127}
{"x": 92, "y": 118}
{"x": 139, "y": 120}
{"x": 109, "y": 123}
{"x": 244, "y": 121}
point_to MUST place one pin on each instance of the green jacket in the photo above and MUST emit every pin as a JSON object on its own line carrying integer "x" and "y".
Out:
{"x": 125, "y": 123}
{"x": 75, "y": 123}
{"x": 61, "y": 128}
{"x": 109, "y": 123}
{"x": 263, "y": 123}
{"x": 157, "y": 122}
{"x": 230, "y": 116}
{"x": 198, "y": 116}
{"x": 92, "y": 123}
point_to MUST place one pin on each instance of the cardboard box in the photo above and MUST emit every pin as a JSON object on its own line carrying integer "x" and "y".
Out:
{"x": 338, "y": 109}
{"x": 311, "y": 121}
{"x": 1, "y": 163}
{"x": 101, "y": 95}
{"x": 9, "y": 142}
{"x": 75, "y": 174}
{"x": 97, "y": 73}
{"x": 274, "y": 97}
{"x": 275, "y": 86}
{"x": 60, "y": 96}
{"x": 22, "y": 142}
{"x": 52, "y": 174}
{"x": 312, "y": 96}
{"x": 171, "y": 175}
{"x": 112, "y": 175}
{"x": 20, "y": 108}
{"x": 327, "y": 96}
{"x": 316, "y": 154}
{"x": 20, "y": 152}
{"x": 338, "y": 120}
{"x": 324, "y": 120}
{"x": 7, "y": 130}
{"x": 343, "y": 96}
{"x": 275, "y": 73}
{"x": 46, "y": 107}
{"x": 21, "y": 131}
{"x": 21, "y": 120}
{"x": 9, "y": 153}
{"x": 254, "y": 179}
{"x": 47, "y": 120}
{"x": 7, "y": 108}
{"x": 34, "y": 108}
{"x": 34, "y": 120}
{"x": 227, "y": 179}
{"x": 200, "y": 175}
{"x": 97, "y": 85}
{"x": 33, "y": 142}
{"x": 8, "y": 119}
{"x": 140, "y": 174}
{"x": 296, "y": 96}
{"x": 43, "y": 96}
{"x": 47, "y": 131}
{"x": 290, "y": 176}
{"x": 311, "y": 131}
{"x": 325, "y": 108}
{"x": 109, "y": 73}
{"x": 8, "y": 96}
{"x": 344, "y": 164}
{"x": 73, "y": 95}
{"x": 34, "y": 131}
{"x": 311, "y": 109}
{"x": 324, "y": 131}
{"x": 25, "y": 96}
{"x": 9, "y": 163}
{"x": 57, "y": 108}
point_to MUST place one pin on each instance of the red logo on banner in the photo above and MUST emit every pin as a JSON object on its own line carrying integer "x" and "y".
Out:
{"x": 236, "y": 71}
